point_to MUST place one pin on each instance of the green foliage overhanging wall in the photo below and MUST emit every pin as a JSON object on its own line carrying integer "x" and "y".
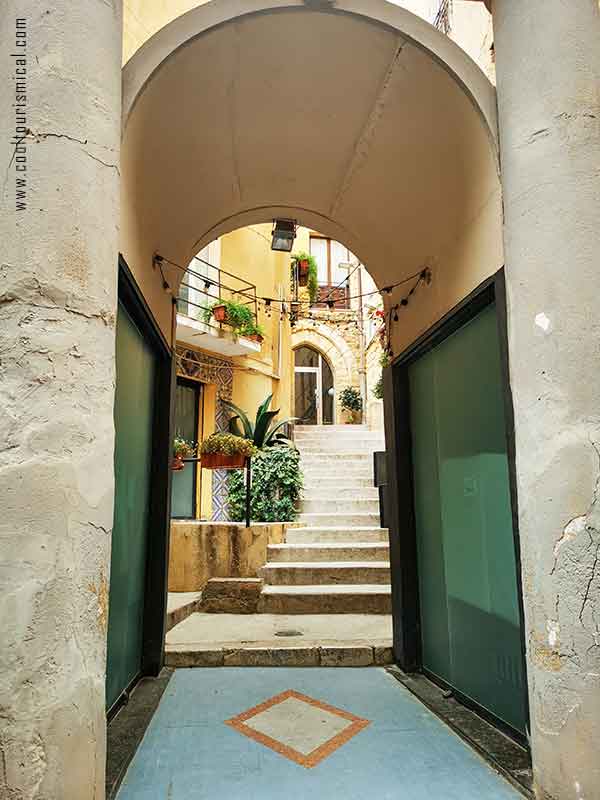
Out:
{"x": 276, "y": 484}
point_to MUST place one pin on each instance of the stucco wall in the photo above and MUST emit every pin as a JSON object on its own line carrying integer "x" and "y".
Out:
{"x": 549, "y": 104}
{"x": 203, "y": 550}
{"x": 247, "y": 253}
{"x": 58, "y": 288}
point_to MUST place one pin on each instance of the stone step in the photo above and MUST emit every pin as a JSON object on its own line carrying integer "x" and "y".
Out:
{"x": 302, "y": 429}
{"x": 330, "y": 551}
{"x": 326, "y": 599}
{"x": 316, "y": 491}
{"x": 349, "y": 447}
{"x": 331, "y": 534}
{"x": 321, "y": 505}
{"x": 350, "y": 520}
{"x": 328, "y": 466}
{"x": 340, "y": 436}
{"x": 327, "y": 456}
{"x": 345, "y": 474}
{"x": 277, "y": 655}
{"x": 180, "y": 605}
{"x": 333, "y": 485}
{"x": 310, "y": 573}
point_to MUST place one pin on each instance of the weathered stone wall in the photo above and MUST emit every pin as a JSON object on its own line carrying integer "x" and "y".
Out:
{"x": 374, "y": 371}
{"x": 548, "y": 64}
{"x": 58, "y": 278}
{"x": 203, "y": 550}
{"x": 336, "y": 335}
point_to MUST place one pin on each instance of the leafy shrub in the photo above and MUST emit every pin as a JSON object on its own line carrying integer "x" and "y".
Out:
{"x": 253, "y": 329}
{"x": 237, "y": 315}
{"x": 350, "y": 399}
{"x": 276, "y": 484}
{"x": 228, "y": 444}
{"x": 378, "y": 388}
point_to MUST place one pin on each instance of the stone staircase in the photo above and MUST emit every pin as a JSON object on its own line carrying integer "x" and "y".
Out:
{"x": 337, "y": 561}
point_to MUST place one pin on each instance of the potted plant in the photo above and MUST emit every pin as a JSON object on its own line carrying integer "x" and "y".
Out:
{"x": 307, "y": 269}
{"x": 225, "y": 451}
{"x": 378, "y": 388}
{"x": 219, "y": 312}
{"x": 228, "y": 312}
{"x": 254, "y": 332}
{"x": 352, "y": 404}
{"x": 263, "y": 431}
{"x": 182, "y": 449}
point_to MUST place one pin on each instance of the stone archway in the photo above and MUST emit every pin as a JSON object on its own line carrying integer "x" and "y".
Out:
{"x": 343, "y": 362}
{"x": 403, "y": 183}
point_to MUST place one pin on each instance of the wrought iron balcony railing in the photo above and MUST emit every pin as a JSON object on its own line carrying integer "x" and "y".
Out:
{"x": 338, "y": 295}
{"x": 204, "y": 284}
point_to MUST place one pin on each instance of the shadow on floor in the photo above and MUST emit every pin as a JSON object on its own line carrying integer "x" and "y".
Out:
{"x": 127, "y": 728}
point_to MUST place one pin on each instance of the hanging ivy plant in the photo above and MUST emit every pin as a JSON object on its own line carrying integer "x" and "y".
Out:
{"x": 310, "y": 279}
{"x": 276, "y": 485}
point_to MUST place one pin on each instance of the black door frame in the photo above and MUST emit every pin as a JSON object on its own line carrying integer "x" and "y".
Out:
{"x": 157, "y": 556}
{"x": 402, "y": 521}
{"x": 197, "y": 386}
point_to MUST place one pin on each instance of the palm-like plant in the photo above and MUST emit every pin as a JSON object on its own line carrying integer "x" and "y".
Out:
{"x": 261, "y": 432}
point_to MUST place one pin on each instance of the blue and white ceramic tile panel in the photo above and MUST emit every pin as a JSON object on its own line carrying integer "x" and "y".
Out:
{"x": 208, "y": 369}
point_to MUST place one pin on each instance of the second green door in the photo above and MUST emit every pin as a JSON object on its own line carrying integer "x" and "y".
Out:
{"x": 470, "y": 618}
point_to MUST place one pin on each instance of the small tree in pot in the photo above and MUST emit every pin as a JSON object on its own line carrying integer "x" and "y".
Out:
{"x": 352, "y": 404}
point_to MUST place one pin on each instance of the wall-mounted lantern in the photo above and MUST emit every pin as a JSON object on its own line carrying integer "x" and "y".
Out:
{"x": 283, "y": 234}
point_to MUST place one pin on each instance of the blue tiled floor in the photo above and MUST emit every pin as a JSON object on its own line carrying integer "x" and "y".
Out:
{"x": 188, "y": 753}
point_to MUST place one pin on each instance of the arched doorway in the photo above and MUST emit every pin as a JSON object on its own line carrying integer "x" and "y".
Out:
{"x": 314, "y": 390}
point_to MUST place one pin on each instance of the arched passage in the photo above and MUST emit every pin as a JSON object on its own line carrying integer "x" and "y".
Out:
{"x": 226, "y": 125}
{"x": 373, "y": 129}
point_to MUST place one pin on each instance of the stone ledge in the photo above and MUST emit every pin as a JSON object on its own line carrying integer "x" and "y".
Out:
{"x": 332, "y": 656}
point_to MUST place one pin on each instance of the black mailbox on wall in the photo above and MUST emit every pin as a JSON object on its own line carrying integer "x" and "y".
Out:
{"x": 380, "y": 480}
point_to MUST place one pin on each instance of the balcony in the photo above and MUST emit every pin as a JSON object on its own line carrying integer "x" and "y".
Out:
{"x": 202, "y": 286}
{"x": 338, "y": 295}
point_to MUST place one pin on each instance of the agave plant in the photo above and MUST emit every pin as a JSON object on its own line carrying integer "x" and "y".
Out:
{"x": 263, "y": 433}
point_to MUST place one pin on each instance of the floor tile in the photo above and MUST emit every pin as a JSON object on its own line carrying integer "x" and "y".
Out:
{"x": 191, "y": 753}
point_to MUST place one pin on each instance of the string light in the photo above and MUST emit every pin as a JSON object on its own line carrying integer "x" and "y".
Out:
{"x": 424, "y": 273}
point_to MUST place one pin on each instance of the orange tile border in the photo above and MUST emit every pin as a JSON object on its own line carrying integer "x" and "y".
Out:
{"x": 319, "y": 753}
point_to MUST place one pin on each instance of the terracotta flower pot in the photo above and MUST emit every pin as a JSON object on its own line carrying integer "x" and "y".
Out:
{"x": 220, "y": 313}
{"x": 177, "y": 463}
{"x": 255, "y": 337}
{"x": 223, "y": 461}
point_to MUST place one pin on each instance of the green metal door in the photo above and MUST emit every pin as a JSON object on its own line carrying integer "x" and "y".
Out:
{"x": 470, "y": 620}
{"x": 134, "y": 411}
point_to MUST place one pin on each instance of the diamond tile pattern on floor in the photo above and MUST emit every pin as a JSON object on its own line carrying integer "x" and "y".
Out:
{"x": 298, "y": 727}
